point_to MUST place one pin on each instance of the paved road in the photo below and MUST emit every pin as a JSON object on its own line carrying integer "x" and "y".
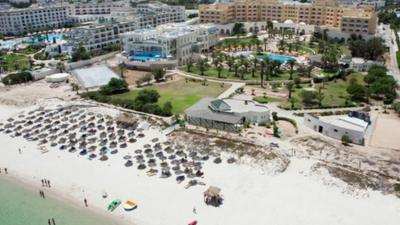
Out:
{"x": 390, "y": 38}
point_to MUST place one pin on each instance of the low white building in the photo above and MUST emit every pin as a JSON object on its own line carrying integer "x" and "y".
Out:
{"x": 362, "y": 65}
{"x": 61, "y": 47}
{"x": 226, "y": 114}
{"x": 335, "y": 127}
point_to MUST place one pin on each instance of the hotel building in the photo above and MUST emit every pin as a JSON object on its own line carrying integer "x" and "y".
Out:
{"x": 35, "y": 18}
{"x": 325, "y": 13}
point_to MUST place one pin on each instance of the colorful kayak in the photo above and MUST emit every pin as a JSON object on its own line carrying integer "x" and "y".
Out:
{"x": 114, "y": 204}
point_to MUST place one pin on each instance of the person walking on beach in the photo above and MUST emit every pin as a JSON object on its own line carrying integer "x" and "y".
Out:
{"x": 194, "y": 210}
{"x": 85, "y": 201}
{"x": 19, "y": 150}
{"x": 54, "y": 222}
{"x": 49, "y": 222}
{"x": 42, "y": 182}
{"x": 5, "y": 170}
{"x": 48, "y": 183}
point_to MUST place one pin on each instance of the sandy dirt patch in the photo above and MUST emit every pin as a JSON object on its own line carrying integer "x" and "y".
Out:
{"x": 384, "y": 135}
{"x": 28, "y": 94}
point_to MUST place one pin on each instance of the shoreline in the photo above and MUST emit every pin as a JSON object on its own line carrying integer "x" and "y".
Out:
{"x": 56, "y": 195}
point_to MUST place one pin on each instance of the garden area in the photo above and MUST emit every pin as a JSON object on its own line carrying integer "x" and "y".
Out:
{"x": 14, "y": 62}
{"x": 164, "y": 99}
{"x": 182, "y": 93}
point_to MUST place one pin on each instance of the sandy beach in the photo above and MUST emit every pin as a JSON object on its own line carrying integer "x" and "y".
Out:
{"x": 252, "y": 193}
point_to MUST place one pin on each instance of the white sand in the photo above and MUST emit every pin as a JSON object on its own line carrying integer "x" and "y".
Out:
{"x": 251, "y": 197}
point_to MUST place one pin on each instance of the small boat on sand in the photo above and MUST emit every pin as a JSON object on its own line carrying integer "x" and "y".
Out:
{"x": 130, "y": 205}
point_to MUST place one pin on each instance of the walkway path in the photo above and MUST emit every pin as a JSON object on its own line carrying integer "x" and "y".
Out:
{"x": 390, "y": 39}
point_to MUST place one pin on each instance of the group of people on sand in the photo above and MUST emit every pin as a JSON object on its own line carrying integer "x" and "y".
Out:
{"x": 5, "y": 171}
{"x": 46, "y": 183}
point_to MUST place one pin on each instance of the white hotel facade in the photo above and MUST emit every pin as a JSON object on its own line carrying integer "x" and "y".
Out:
{"x": 35, "y": 18}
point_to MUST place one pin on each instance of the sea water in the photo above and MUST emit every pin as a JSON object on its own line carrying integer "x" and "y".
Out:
{"x": 20, "y": 206}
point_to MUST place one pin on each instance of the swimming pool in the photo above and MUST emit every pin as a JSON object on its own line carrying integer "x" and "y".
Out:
{"x": 45, "y": 38}
{"x": 145, "y": 56}
{"x": 275, "y": 57}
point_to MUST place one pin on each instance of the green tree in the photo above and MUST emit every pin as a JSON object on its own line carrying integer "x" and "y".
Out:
{"x": 308, "y": 97}
{"x": 167, "y": 109}
{"x": 80, "y": 54}
{"x": 158, "y": 74}
{"x": 115, "y": 85}
{"x": 238, "y": 29}
{"x": 356, "y": 91}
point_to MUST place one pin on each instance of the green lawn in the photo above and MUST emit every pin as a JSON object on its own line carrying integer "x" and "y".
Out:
{"x": 212, "y": 72}
{"x": 14, "y": 62}
{"x": 335, "y": 92}
{"x": 267, "y": 99}
{"x": 181, "y": 94}
{"x": 238, "y": 41}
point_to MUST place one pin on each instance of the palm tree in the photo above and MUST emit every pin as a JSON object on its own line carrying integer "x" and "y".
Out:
{"x": 267, "y": 64}
{"x": 291, "y": 63}
{"x": 236, "y": 66}
{"x": 189, "y": 65}
{"x": 265, "y": 40}
{"x": 219, "y": 69}
{"x": 309, "y": 70}
{"x": 75, "y": 87}
{"x": 254, "y": 67}
{"x": 60, "y": 66}
{"x": 121, "y": 67}
{"x": 242, "y": 71}
{"x": 281, "y": 45}
{"x": 230, "y": 63}
{"x": 320, "y": 96}
{"x": 289, "y": 86}
{"x": 262, "y": 66}
{"x": 158, "y": 74}
{"x": 202, "y": 65}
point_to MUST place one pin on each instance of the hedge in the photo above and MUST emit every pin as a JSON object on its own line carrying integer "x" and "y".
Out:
{"x": 17, "y": 78}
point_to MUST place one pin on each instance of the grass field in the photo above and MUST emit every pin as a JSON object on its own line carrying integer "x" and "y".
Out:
{"x": 212, "y": 72}
{"x": 181, "y": 94}
{"x": 14, "y": 62}
{"x": 335, "y": 92}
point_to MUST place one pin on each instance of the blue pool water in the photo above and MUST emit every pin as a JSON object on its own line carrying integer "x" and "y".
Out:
{"x": 30, "y": 39}
{"x": 275, "y": 57}
{"x": 44, "y": 38}
{"x": 144, "y": 56}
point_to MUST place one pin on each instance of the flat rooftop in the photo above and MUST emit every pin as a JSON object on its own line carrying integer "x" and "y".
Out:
{"x": 95, "y": 76}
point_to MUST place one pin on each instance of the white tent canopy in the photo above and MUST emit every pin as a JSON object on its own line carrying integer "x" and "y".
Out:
{"x": 57, "y": 77}
{"x": 94, "y": 76}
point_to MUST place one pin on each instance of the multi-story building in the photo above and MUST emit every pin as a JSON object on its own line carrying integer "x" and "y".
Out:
{"x": 102, "y": 33}
{"x": 326, "y": 13}
{"x": 170, "y": 41}
{"x": 96, "y": 7}
{"x": 106, "y": 31}
{"x": 18, "y": 21}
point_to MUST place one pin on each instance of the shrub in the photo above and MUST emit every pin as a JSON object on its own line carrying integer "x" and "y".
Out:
{"x": 17, "y": 78}
{"x": 346, "y": 140}
{"x": 275, "y": 116}
{"x": 114, "y": 86}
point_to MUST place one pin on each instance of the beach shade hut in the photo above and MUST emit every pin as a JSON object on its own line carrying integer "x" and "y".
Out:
{"x": 128, "y": 163}
{"x": 212, "y": 196}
